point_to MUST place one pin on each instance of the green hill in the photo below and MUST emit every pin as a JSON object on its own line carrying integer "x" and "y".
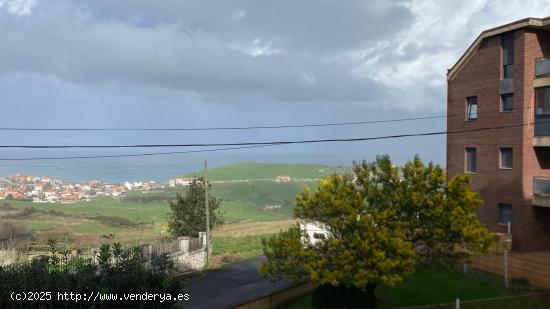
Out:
{"x": 243, "y": 171}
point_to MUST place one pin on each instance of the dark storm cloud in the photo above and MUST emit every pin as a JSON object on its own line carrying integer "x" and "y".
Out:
{"x": 217, "y": 50}
{"x": 314, "y": 25}
{"x": 375, "y": 53}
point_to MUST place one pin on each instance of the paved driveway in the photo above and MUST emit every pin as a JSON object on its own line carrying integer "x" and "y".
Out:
{"x": 230, "y": 286}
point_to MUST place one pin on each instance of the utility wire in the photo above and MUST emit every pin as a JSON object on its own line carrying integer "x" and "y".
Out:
{"x": 259, "y": 143}
{"x": 330, "y": 124}
{"x": 105, "y": 166}
{"x": 130, "y": 155}
{"x": 228, "y": 128}
{"x": 244, "y": 145}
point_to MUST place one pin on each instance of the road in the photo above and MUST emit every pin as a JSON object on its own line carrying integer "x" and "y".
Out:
{"x": 230, "y": 286}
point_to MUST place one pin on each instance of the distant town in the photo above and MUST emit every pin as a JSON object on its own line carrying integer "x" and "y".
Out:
{"x": 46, "y": 189}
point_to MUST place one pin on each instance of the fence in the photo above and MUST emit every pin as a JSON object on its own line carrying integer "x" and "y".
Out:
{"x": 192, "y": 255}
{"x": 195, "y": 243}
{"x": 187, "y": 253}
{"x": 533, "y": 266}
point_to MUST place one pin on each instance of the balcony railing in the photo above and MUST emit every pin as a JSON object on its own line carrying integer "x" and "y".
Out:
{"x": 542, "y": 125}
{"x": 541, "y": 191}
{"x": 542, "y": 67}
{"x": 541, "y": 186}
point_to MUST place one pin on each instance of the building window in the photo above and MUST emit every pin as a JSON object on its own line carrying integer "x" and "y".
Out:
{"x": 542, "y": 100}
{"x": 507, "y": 42}
{"x": 471, "y": 108}
{"x": 506, "y": 158}
{"x": 471, "y": 160}
{"x": 507, "y": 102}
{"x": 505, "y": 213}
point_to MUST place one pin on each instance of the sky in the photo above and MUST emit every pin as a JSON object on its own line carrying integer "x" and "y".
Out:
{"x": 205, "y": 63}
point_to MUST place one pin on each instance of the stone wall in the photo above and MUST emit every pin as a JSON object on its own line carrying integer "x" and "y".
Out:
{"x": 187, "y": 253}
{"x": 189, "y": 259}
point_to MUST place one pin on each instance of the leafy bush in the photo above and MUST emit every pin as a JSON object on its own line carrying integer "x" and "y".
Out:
{"x": 187, "y": 215}
{"x": 117, "y": 270}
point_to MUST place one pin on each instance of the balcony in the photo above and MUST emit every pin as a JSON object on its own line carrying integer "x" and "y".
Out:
{"x": 542, "y": 67}
{"x": 542, "y": 116}
{"x": 541, "y": 191}
{"x": 542, "y": 125}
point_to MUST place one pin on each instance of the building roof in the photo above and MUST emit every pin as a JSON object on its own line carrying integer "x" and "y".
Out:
{"x": 530, "y": 22}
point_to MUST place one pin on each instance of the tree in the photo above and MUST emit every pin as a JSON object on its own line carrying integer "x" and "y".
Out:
{"x": 381, "y": 226}
{"x": 187, "y": 215}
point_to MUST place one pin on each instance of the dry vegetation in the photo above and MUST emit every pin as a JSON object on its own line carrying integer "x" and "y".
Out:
{"x": 242, "y": 229}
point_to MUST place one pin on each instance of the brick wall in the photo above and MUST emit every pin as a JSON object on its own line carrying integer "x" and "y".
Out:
{"x": 532, "y": 266}
{"x": 480, "y": 77}
{"x": 535, "y": 231}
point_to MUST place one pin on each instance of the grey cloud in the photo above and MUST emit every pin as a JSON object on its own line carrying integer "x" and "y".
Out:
{"x": 72, "y": 43}
{"x": 314, "y": 25}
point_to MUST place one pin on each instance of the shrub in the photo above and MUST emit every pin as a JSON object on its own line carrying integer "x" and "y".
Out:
{"x": 118, "y": 271}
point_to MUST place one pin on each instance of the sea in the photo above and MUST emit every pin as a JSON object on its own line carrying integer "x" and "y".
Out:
{"x": 157, "y": 168}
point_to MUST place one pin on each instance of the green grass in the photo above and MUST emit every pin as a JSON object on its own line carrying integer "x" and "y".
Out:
{"x": 431, "y": 286}
{"x": 244, "y": 201}
{"x": 136, "y": 212}
{"x": 39, "y": 226}
{"x": 531, "y": 302}
{"x": 241, "y": 171}
{"x": 246, "y": 211}
{"x": 90, "y": 227}
{"x": 246, "y": 247}
{"x": 435, "y": 286}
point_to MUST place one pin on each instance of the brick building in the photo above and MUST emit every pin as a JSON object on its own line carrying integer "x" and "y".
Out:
{"x": 503, "y": 82}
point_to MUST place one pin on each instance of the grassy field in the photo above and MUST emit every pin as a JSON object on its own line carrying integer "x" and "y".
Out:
{"x": 143, "y": 215}
{"x": 243, "y": 246}
{"x": 139, "y": 217}
{"x": 242, "y": 171}
{"x": 136, "y": 212}
{"x": 433, "y": 286}
{"x": 244, "y": 239}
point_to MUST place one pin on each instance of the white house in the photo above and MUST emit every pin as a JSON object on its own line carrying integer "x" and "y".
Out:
{"x": 315, "y": 230}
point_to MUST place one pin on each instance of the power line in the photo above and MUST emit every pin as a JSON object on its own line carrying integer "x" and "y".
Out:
{"x": 130, "y": 155}
{"x": 255, "y": 143}
{"x": 230, "y": 128}
{"x": 240, "y": 145}
{"x": 329, "y": 124}
{"x": 106, "y": 166}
